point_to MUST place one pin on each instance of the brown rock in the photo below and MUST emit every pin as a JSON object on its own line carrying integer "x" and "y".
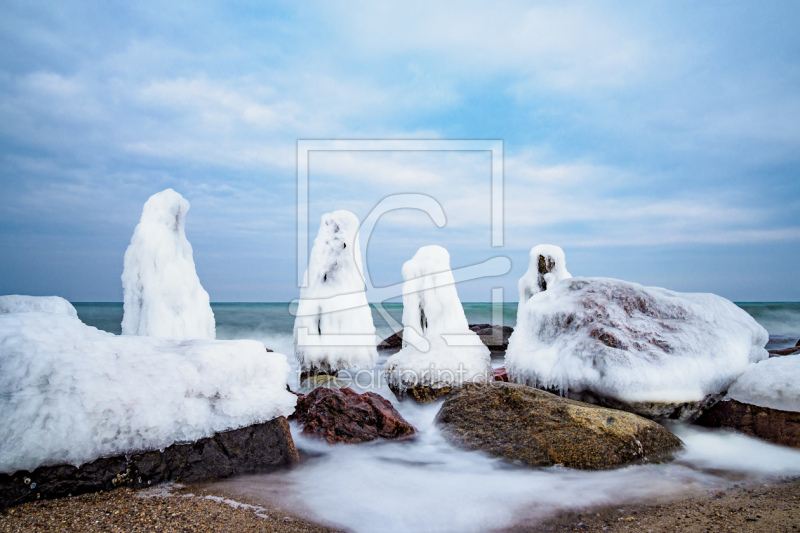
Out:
{"x": 227, "y": 453}
{"x": 421, "y": 393}
{"x": 494, "y": 337}
{"x": 500, "y": 374}
{"x": 537, "y": 428}
{"x": 784, "y": 351}
{"x": 343, "y": 415}
{"x": 773, "y": 425}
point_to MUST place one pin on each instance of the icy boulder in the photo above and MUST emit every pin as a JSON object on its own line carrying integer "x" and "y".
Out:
{"x": 547, "y": 267}
{"x": 774, "y": 383}
{"x": 439, "y": 350}
{"x": 333, "y": 329}
{"x": 70, "y": 393}
{"x": 162, "y": 294}
{"x": 647, "y": 350}
{"x": 15, "y": 303}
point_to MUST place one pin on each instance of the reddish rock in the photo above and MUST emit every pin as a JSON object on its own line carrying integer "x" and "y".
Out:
{"x": 500, "y": 374}
{"x": 774, "y": 425}
{"x": 784, "y": 351}
{"x": 343, "y": 415}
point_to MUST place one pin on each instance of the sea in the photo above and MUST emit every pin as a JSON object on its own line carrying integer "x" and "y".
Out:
{"x": 428, "y": 485}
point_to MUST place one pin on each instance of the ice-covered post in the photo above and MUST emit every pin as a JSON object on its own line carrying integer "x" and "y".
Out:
{"x": 428, "y": 365}
{"x": 333, "y": 329}
{"x": 162, "y": 295}
{"x": 547, "y": 266}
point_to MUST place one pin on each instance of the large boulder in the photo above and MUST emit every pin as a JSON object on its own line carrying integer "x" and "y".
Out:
{"x": 255, "y": 448}
{"x": 764, "y": 402}
{"x": 650, "y": 351}
{"x": 493, "y": 336}
{"x": 537, "y": 428}
{"x": 343, "y": 415}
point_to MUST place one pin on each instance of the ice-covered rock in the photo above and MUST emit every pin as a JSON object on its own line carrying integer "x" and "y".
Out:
{"x": 439, "y": 350}
{"x": 547, "y": 267}
{"x": 16, "y": 303}
{"x": 333, "y": 329}
{"x": 774, "y": 383}
{"x": 648, "y": 350}
{"x": 162, "y": 294}
{"x": 70, "y": 393}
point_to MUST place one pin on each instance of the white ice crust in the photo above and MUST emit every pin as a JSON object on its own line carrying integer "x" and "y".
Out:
{"x": 547, "y": 266}
{"x": 632, "y": 343}
{"x": 162, "y": 294}
{"x": 16, "y": 303}
{"x": 432, "y": 315}
{"x": 773, "y": 383}
{"x": 333, "y": 329}
{"x": 70, "y": 393}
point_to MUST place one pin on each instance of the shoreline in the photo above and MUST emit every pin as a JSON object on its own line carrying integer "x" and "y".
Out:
{"x": 754, "y": 506}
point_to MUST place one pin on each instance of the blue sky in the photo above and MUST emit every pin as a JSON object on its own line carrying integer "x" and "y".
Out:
{"x": 658, "y": 143}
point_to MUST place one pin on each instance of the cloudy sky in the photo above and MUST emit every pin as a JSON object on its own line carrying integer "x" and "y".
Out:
{"x": 658, "y": 143}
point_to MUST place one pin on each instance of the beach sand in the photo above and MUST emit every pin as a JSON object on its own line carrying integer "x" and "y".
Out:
{"x": 750, "y": 507}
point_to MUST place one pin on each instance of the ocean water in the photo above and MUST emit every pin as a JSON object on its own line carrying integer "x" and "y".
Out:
{"x": 428, "y": 485}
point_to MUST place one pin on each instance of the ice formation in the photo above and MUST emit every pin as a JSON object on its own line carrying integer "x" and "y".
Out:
{"x": 547, "y": 266}
{"x": 774, "y": 383}
{"x": 631, "y": 343}
{"x": 70, "y": 393}
{"x": 16, "y": 303}
{"x": 333, "y": 329}
{"x": 162, "y": 294}
{"x": 432, "y": 315}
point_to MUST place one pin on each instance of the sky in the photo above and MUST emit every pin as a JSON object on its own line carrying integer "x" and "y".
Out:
{"x": 657, "y": 143}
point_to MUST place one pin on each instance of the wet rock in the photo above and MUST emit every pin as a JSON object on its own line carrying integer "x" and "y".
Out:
{"x": 500, "y": 374}
{"x": 321, "y": 380}
{"x": 343, "y": 415}
{"x": 421, "y": 393}
{"x": 773, "y": 425}
{"x": 239, "y": 451}
{"x": 784, "y": 351}
{"x": 537, "y": 428}
{"x": 493, "y": 336}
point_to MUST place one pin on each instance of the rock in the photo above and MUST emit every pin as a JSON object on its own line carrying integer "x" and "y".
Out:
{"x": 537, "y": 428}
{"x": 422, "y": 394}
{"x": 493, "y": 336}
{"x": 647, "y": 350}
{"x": 239, "y": 451}
{"x": 500, "y": 374}
{"x": 798, "y": 343}
{"x": 321, "y": 380}
{"x": 784, "y": 351}
{"x": 773, "y": 425}
{"x": 343, "y": 415}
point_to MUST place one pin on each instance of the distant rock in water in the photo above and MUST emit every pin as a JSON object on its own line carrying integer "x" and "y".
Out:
{"x": 784, "y": 351}
{"x": 343, "y": 415}
{"x": 246, "y": 450}
{"x": 493, "y": 336}
{"x": 162, "y": 295}
{"x": 547, "y": 266}
{"x": 651, "y": 351}
{"x": 536, "y": 428}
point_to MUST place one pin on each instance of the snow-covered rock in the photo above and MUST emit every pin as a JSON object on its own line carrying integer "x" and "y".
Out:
{"x": 70, "y": 393}
{"x": 648, "y": 350}
{"x": 162, "y": 294}
{"x": 547, "y": 266}
{"x": 439, "y": 350}
{"x": 773, "y": 383}
{"x": 16, "y": 303}
{"x": 333, "y": 329}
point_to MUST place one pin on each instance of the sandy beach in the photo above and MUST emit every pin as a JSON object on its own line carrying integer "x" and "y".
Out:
{"x": 750, "y": 507}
